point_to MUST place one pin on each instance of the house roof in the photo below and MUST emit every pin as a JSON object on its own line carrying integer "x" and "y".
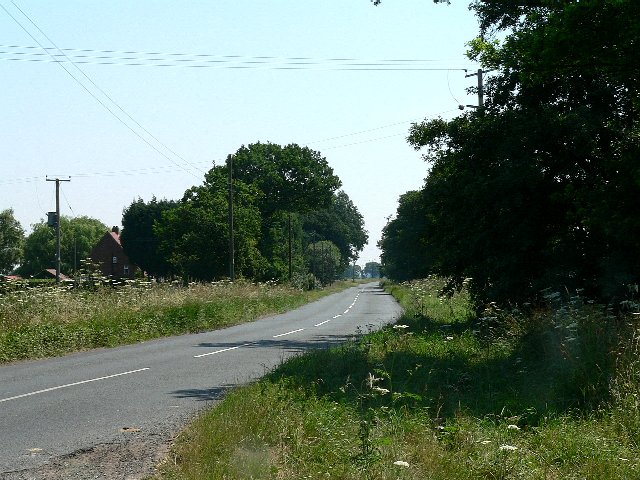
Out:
{"x": 116, "y": 237}
{"x": 52, "y": 272}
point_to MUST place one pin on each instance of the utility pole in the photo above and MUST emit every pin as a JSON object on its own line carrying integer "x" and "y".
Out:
{"x": 480, "y": 88}
{"x": 290, "y": 266}
{"x": 58, "y": 180}
{"x": 232, "y": 268}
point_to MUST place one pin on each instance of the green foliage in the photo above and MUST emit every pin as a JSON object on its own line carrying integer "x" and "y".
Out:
{"x": 372, "y": 270}
{"x": 341, "y": 223}
{"x": 138, "y": 238}
{"x": 433, "y": 397}
{"x": 404, "y": 250}
{"x": 78, "y": 236}
{"x": 539, "y": 188}
{"x": 194, "y": 235}
{"x": 323, "y": 261}
{"x": 291, "y": 178}
{"x": 11, "y": 241}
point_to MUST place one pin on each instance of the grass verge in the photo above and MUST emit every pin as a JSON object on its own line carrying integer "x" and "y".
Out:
{"x": 49, "y": 320}
{"x": 443, "y": 394}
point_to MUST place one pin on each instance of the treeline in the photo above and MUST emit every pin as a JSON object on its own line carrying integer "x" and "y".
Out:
{"x": 540, "y": 188}
{"x": 290, "y": 221}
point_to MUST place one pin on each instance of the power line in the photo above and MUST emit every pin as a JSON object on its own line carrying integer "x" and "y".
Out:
{"x": 111, "y": 173}
{"x": 214, "y": 58}
{"x": 91, "y": 93}
{"x": 191, "y": 60}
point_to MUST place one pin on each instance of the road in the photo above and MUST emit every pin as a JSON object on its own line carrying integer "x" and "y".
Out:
{"x": 52, "y": 409}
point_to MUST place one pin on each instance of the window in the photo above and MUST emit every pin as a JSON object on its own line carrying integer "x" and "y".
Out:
{"x": 126, "y": 270}
{"x": 114, "y": 260}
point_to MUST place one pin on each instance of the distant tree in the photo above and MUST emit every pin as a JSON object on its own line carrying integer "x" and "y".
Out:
{"x": 372, "y": 270}
{"x": 139, "y": 239}
{"x": 404, "y": 250}
{"x": 77, "y": 237}
{"x": 11, "y": 241}
{"x": 341, "y": 223}
{"x": 323, "y": 260}
{"x": 289, "y": 180}
{"x": 194, "y": 235}
{"x": 352, "y": 271}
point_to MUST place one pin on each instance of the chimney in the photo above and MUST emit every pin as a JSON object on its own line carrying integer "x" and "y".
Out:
{"x": 115, "y": 229}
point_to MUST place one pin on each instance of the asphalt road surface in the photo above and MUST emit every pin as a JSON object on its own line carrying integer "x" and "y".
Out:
{"x": 54, "y": 408}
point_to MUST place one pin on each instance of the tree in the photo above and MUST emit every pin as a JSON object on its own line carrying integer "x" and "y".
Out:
{"x": 138, "y": 238}
{"x": 323, "y": 260}
{"x": 77, "y": 237}
{"x": 404, "y": 249}
{"x": 539, "y": 188}
{"x": 372, "y": 270}
{"x": 341, "y": 223}
{"x": 194, "y": 235}
{"x": 291, "y": 178}
{"x": 11, "y": 241}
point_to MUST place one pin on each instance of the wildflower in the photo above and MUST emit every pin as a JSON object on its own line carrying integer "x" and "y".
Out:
{"x": 485, "y": 442}
{"x": 508, "y": 448}
{"x": 380, "y": 390}
{"x": 513, "y": 427}
{"x": 448, "y": 338}
{"x": 401, "y": 463}
{"x": 400, "y": 327}
{"x": 372, "y": 379}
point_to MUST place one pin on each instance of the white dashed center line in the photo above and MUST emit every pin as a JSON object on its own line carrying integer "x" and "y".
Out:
{"x": 71, "y": 385}
{"x": 223, "y": 350}
{"x": 288, "y": 333}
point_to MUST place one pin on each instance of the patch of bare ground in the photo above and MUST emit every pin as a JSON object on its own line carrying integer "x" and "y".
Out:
{"x": 130, "y": 459}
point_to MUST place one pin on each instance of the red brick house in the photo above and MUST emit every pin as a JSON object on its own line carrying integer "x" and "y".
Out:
{"x": 110, "y": 256}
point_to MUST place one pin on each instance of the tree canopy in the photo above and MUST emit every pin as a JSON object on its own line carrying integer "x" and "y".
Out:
{"x": 11, "y": 241}
{"x": 540, "y": 188}
{"x": 139, "y": 240}
{"x": 78, "y": 236}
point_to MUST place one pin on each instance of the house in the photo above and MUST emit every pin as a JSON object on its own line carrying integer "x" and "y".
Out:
{"x": 109, "y": 255}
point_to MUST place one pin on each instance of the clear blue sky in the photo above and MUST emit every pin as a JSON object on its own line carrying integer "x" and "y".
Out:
{"x": 354, "y": 114}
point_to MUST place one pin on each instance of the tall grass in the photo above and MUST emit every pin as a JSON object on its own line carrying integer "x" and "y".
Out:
{"x": 546, "y": 394}
{"x": 51, "y": 320}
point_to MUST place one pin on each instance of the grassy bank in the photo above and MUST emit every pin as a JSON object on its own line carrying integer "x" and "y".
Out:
{"x": 50, "y": 320}
{"x": 445, "y": 395}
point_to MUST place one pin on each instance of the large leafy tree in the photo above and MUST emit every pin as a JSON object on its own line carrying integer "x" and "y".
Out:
{"x": 11, "y": 241}
{"x": 403, "y": 242}
{"x": 323, "y": 260}
{"x": 194, "y": 235}
{"x": 540, "y": 187}
{"x": 139, "y": 240}
{"x": 291, "y": 180}
{"x": 341, "y": 223}
{"x": 77, "y": 237}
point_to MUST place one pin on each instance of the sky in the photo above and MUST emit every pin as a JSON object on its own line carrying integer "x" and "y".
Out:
{"x": 152, "y": 93}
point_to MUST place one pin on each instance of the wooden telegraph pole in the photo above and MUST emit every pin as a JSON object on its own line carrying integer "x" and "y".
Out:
{"x": 57, "y": 222}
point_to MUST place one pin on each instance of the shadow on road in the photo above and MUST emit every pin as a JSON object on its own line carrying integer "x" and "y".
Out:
{"x": 202, "y": 394}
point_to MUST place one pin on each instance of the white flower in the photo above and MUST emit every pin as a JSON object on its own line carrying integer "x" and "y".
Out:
{"x": 401, "y": 463}
{"x": 380, "y": 390}
{"x": 400, "y": 327}
{"x": 485, "y": 442}
{"x": 513, "y": 427}
{"x": 372, "y": 379}
{"x": 508, "y": 448}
